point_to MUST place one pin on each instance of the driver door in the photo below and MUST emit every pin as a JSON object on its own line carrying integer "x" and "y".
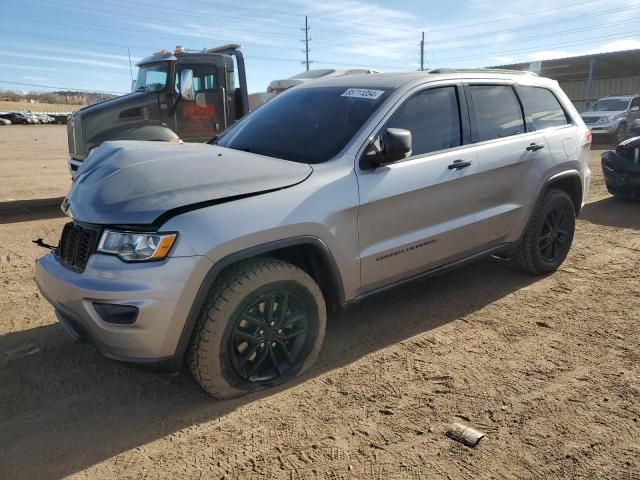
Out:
{"x": 419, "y": 213}
{"x": 204, "y": 118}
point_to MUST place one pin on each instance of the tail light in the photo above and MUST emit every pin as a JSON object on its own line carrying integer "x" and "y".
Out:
{"x": 588, "y": 138}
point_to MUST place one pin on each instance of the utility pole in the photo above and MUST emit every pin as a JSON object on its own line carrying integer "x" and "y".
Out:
{"x": 306, "y": 42}
{"x": 422, "y": 53}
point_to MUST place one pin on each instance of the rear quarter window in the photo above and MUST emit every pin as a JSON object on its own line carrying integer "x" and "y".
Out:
{"x": 543, "y": 107}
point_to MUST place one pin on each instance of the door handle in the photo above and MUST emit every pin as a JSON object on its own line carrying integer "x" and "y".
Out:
{"x": 534, "y": 147}
{"x": 459, "y": 164}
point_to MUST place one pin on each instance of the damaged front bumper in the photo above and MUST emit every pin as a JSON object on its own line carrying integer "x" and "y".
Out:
{"x": 621, "y": 169}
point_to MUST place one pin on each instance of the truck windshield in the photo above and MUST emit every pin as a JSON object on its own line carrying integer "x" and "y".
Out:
{"x": 152, "y": 77}
{"x": 307, "y": 125}
{"x": 611, "y": 105}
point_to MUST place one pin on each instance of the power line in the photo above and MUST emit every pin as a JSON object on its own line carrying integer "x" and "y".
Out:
{"x": 539, "y": 37}
{"x": 511, "y": 17}
{"x": 71, "y": 89}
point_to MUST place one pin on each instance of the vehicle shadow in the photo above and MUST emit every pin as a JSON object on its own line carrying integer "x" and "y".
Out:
{"x": 27, "y": 210}
{"x": 64, "y": 408}
{"x": 613, "y": 212}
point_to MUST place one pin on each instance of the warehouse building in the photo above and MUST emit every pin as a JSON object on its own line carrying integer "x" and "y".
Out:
{"x": 589, "y": 77}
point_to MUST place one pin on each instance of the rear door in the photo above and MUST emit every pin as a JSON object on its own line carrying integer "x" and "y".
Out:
{"x": 634, "y": 115}
{"x": 511, "y": 158}
{"x": 419, "y": 213}
{"x": 204, "y": 118}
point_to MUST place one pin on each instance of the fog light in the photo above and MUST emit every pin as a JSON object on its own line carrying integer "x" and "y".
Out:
{"x": 118, "y": 314}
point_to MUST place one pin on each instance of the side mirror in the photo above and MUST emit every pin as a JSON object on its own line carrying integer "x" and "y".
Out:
{"x": 396, "y": 145}
{"x": 635, "y": 108}
{"x": 187, "y": 90}
{"x": 133, "y": 85}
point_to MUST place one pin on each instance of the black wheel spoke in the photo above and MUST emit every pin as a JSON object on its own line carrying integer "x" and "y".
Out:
{"x": 240, "y": 335}
{"x": 285, "y": 306}
{"x": 544, "y": 243}
{"x": 274, "y": 361}
{"x": 287, "y": 354}
{"x": 247, "y": 354}
{"x": 259, "y": 360}
{"x": 293, "y": 334}
{"x": 253, "y": 319}
{"x": 269, "y": 308}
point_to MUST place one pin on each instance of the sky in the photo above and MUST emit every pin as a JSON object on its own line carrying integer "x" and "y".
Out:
{"x": 82, "y": 44}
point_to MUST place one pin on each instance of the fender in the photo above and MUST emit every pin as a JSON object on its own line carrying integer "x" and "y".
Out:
{"x": 246, "y": 254}
{"x": 545, "y": 186}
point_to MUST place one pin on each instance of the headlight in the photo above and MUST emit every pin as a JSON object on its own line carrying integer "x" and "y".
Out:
{"x": 605, "y": 120}
{"x": 136, "y": 247}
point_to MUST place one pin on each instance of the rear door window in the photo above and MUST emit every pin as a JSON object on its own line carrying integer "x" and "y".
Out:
{"x": 496, "y": 112}
{"x": 543, "y": 107}
{"x": 433, "y": 118}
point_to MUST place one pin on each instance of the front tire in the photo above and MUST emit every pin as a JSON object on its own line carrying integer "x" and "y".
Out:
{"x": 549, "y": 235}
{"x": 262, "y": 325}
{"x": 620, "y": 133}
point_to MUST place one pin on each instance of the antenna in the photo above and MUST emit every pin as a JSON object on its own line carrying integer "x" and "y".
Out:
{"x": 130, "y": 69}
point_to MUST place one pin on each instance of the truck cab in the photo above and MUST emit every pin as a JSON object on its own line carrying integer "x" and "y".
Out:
{"x": 180, "y": 95}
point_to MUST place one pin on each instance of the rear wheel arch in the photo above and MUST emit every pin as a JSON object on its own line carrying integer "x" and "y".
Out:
{"x": 309, "y": 253}
{"x": 569, "y": 182}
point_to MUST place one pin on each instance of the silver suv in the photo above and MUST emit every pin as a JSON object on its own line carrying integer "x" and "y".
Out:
{"x": 613, "y": 116}
{"x": 230, "y": 254}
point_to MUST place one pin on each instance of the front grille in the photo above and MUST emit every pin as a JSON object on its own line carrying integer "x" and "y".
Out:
{"x": 590, "y": 119}
{"x": 77, "y": 244}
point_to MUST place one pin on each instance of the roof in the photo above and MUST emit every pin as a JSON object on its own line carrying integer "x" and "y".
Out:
{"x": 610, "y": 64}
{"x": 396, "y": 80}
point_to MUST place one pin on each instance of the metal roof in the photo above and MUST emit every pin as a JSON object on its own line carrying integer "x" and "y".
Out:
{"x": 607, "y": 65}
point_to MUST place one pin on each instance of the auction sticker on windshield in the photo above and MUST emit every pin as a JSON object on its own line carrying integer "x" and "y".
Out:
{"x": 362, "y": 93}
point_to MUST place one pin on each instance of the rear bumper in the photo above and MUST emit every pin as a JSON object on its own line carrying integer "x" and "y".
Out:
{"x": 163, "y": 292}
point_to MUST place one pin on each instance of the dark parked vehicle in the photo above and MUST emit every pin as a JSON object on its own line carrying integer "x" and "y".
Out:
{"x": 184, "y": 95}
{"x": 16, "y": 118}
{"x": 621, "y": 169}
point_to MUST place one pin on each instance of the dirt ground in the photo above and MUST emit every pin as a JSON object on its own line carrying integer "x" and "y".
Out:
{"x": 548, "y": 368}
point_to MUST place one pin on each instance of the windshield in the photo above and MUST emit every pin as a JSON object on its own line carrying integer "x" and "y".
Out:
{"x": 307, "y": 125}
{"x": 611, "y": 105}
{"x": 152, "y": 77}
{"x": 314, "y": 73}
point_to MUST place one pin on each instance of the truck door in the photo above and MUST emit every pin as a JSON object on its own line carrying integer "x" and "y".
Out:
{"x": 204, "y": 118}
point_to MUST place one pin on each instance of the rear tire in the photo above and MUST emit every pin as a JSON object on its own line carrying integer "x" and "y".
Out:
{"x": 262, "y": 325}
{"x": 549, "y": 236}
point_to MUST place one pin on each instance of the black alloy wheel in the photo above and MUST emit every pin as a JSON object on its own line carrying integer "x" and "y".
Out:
{"x": 269, "y": 336}
{"x": 555, "y": 237}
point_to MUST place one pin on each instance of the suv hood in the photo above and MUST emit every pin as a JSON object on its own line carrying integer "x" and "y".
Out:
{"x": 135, "y": 182}
{"x": 601, "y": 113}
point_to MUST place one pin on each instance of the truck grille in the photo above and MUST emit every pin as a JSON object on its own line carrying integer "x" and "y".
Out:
{"x": 77, "y": 244}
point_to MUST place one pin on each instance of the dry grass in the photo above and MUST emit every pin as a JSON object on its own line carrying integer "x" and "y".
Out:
{"x": 37, "y": 107}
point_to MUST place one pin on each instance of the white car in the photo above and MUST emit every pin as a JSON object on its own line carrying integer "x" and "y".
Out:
{"x": 279, "y": 86}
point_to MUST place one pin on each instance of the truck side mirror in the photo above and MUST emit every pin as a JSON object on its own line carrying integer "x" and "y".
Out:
{"x": 187, "y": 90}
{"x": 133, "y": 85}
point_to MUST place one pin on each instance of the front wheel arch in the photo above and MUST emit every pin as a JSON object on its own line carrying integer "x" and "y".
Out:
{"x": 280, "y": 249}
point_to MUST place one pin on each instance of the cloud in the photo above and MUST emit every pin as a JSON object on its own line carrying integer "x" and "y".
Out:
{"x": 29, "y": 67}
{"x": 617, "y": 45}
{"x": 72, "y": 59}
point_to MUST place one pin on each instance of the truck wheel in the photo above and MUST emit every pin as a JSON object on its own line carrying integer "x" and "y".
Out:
{"x": 620, "y": 134}
{"x": 548, "y": 238}
{"x": 262, "y": 324}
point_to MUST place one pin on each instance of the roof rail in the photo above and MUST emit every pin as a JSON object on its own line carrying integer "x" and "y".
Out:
{"x": 224, "y": 48}
{"x": 482, "y": 70}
